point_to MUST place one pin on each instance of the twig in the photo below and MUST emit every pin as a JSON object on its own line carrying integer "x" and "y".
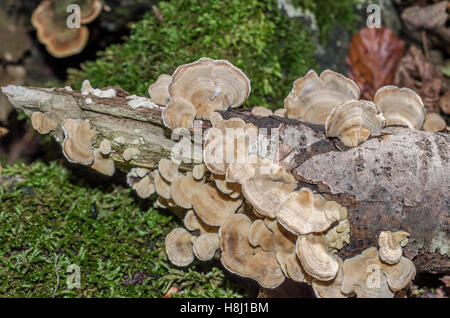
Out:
{"x": 425, "y": 44}
{"x": 159, "y": 16}
{"x": 57, "y": 276}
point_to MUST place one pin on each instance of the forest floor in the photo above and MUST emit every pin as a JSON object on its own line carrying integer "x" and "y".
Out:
{"x": 51, "y": 219}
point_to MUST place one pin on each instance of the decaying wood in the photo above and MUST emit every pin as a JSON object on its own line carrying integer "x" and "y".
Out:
{"x": 396, "y": 181}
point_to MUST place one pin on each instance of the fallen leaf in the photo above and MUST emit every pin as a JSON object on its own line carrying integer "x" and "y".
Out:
{"x": 373, "y": 57}
{"x": 431, "y": 19}
{"x": 417, "y": 73}
{"x": 172, "y": 291}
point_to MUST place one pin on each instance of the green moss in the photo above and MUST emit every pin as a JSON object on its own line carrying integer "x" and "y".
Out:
{"x": 48, "y": 217}
{"x": 254, "y": 35}
{"x": 327, "y": 13}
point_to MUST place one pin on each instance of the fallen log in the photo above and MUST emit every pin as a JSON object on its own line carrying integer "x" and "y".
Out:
{"x": 398, "y": 180}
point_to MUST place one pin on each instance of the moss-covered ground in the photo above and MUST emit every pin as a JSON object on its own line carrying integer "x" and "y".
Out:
{"x": 50, "y": 219}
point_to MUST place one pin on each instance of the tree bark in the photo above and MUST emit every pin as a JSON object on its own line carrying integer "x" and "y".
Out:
{"x": 396, "y": 181}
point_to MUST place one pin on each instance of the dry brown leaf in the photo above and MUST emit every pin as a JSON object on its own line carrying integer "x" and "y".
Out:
{"x": 417, "y": 73}
{"x": 431, "y": 19}
{"x": 171, "y": 292}
{"x": 373, "y": 57}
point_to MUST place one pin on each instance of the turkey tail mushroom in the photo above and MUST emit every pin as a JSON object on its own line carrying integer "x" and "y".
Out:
{"x": 353, "y": 122}
{"x": 367, "y": 276}
{"x": 78, "y": 141}
{"x": 303, "y": 212}
{"x": 390, "y": 246}
{"x": 42, "y": 123}
{"x": 208, "y": 85}
{"x": 400, "y": 106}
{"x": 313, "y": 97}
{"x": 239, "y": 257}
{"x": 52, "y": 31}
{"x": 179, "y": 247}
{"x": 159, "y": 90}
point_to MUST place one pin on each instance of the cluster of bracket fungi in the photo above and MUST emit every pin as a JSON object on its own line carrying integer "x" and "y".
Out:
{"x": 244, "y": 209}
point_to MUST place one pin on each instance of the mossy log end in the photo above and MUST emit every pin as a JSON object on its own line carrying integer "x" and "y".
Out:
{"x": 396, "y": 181}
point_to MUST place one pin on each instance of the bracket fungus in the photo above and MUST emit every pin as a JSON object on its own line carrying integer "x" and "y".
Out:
{"x": 162, "y": 187}
{"x": 240, "y": 172}
{"x": 130, "y": 153}
{"x": 193, "y": 223}
{"x": 284, "y": 247}
{"x": 294, "y": 269}
{"x": 227, "y": 144}
{"x": 332, "y": 288}
{"x": 159, "y": 90}
{"x": 260, "y": 235}
{"x": 179, "y": 247}
{"x": 239, "y": 257}
{"x": 87, "y": 89}
{"x": 142, "y": 181}
{"x": 339, "y": 234}
{"x": 90, "y": 10}
{"x": 139, "y": 101}
{"x": 268, "y": 188}
{"x": 261, "y": 111}
{"x": 168, "y": 169}
{"x": 214, "y": 149}
{"x": 280, "y": 112}
{"x": 312, "y": 251}
{"x": 78, "y": 140}
{"x": 215, "y": 118}
{"x": 303, "y": 212}
{"x": 390, "y": 246}
{"x": 353, "y": 122}
{"x": 198, "y": 171}
{"x": 212, "y": 206}
{"x": 42, "y": 123}
{"x": 313, "y": 97}
{"x": 52, "y": 31}
{"x": 102, "y": 164}
{"x": 179, "y": 113}
{"x": 402, "y": 106}
{"x": 183, "y": 188}
{"x": 233, "y": 189}
{"x": 161, "y": 203}
{"x": 105, "y": 147}
{"x": 284, "y": 239}
{"x": 367, "y": 276}
{"x": 145, "y": 187}
{"x": 206, "y": 245}
{"x": 434, "y": 122}
{"x": 208, "y": 85}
